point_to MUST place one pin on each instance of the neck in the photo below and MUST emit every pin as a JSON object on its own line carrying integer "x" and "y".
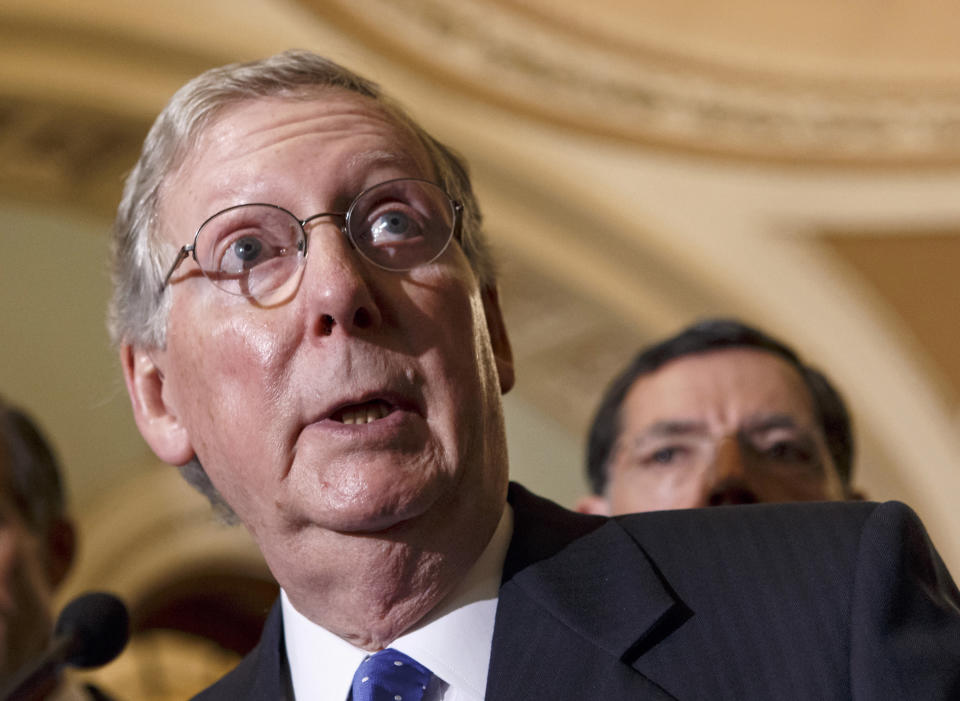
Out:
{"x": 394, "y": 588}
{"x": 375, "y": 589}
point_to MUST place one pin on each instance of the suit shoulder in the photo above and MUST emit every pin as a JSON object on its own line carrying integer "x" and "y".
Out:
{"x": 751, "y": 540}
{"x": 839, "y": 518}
{"x": 819, "y": 540}
{"x": 236, "y": 684}
{"x": 261, "y": 674}
{"x": 741, "y": 519}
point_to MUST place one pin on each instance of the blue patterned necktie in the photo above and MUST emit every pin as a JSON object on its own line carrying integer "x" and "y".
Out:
{"x": 389, "y": 675}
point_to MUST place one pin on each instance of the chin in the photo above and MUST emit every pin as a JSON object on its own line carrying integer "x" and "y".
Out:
{"x": 376, "y": 510}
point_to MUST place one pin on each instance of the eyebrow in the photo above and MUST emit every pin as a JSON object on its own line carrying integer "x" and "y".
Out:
{"x": 663, "y": 429}
{"x": 770, "y": 422}
{"x": 755, "y": 425}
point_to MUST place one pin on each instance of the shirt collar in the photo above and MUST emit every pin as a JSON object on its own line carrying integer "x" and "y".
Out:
{"x": 453, "y": 640}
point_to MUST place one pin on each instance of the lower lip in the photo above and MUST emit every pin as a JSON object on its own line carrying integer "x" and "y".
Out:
{"x": 397, "y": 422}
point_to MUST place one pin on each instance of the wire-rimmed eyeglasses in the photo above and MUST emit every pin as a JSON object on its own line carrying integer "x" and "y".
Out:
{"x": 256, "y": 249}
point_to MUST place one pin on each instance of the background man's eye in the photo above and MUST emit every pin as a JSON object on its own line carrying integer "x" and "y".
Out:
{"x": 247, "y": 248}
{"x": 788, "y": 452}
{"x": 664, "y": 456}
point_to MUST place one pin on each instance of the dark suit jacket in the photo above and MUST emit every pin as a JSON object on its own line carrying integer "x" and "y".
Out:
{"x": 768, "y": 602}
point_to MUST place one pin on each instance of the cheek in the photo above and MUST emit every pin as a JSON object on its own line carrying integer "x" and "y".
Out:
{"x": 8, "y": 562}
{"x": 25, "y": 601}
{"x": 465, "y": 369}
{"x": 635, "y": 488}
{"x": 233, "y": 374}
{"x": 800, "y": 486}
{"x": 22, "y": 579}
{"x": 460, "y": 317}
{"x": 236, "y": 352}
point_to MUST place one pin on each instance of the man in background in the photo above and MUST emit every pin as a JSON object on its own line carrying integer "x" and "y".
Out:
{"x": 37, "y": 547}
{"x": 720, "y": 413}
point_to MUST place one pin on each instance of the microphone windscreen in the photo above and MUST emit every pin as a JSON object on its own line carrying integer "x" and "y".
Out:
{"x": 98, "y": 625}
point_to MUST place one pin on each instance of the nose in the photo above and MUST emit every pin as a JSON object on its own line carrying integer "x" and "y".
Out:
{"x": 731, "y": 484}
{"x": 336, "y": 284}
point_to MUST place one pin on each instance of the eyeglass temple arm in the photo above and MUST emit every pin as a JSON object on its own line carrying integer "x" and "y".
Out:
{"x": 457, "y": 221}
{"x": 181, "y": 255}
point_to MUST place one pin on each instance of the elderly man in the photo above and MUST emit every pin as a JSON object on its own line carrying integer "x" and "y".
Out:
{"x": 308, "y": 324}
{"x": 720, "y": 413}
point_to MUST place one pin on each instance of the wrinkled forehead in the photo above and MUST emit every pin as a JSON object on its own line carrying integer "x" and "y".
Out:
{"x": 726, "y": 386}
{"x": 313, "y": 119}
{"x": 333, "y": 133}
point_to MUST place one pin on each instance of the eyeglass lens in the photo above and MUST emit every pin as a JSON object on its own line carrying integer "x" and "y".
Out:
{"x": 255, "y": 249}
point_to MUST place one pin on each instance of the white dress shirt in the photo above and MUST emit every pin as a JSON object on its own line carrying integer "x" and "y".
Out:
{"x": 453, "y": 640}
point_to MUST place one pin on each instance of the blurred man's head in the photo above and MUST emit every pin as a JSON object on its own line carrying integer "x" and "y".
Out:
{"x": 36, "y": 539}
{"x": 720, "y": 413}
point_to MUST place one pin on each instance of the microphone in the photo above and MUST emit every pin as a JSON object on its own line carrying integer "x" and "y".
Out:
{"x": 91, "y": 630}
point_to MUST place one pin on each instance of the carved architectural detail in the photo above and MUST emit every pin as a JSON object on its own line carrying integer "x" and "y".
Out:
{"x": 51, "y": 152}
{"x": 505, "y": 55}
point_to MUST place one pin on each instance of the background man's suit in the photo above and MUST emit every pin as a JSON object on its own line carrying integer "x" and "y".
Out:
{"x": 797, "y": 601}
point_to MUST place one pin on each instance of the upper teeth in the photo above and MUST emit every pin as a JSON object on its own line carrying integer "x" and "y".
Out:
{"x": 364, "y": 414}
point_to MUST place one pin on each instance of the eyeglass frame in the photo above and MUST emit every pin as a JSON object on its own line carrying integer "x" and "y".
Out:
{"x": 191, "y": 248}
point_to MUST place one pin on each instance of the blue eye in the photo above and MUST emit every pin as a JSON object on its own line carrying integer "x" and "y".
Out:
{"x": 390, "y": 227}
{"x": 254, "y": 252}
{"x": 247, "y": 249}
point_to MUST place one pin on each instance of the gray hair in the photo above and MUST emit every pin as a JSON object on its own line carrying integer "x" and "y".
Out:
{"x": 138, "y": 309}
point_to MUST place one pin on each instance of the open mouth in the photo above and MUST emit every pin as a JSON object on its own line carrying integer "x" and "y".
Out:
{"x": 364, "y": 413}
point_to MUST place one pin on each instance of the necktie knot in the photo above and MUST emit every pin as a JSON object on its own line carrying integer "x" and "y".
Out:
{"x": 389, "y": 675}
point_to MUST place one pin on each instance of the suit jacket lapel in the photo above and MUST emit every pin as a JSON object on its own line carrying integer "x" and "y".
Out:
{"x": 578, "y": 604}
{"x": 273, "y": 675}
{"x": 262, "y": 674}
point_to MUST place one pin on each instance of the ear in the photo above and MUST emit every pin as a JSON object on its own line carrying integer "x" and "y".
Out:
{"x": 159, "y": 423}
{"x": 593, "y": 504}
{"x": 502, "y": 352}
{"x": 61, "y": 551}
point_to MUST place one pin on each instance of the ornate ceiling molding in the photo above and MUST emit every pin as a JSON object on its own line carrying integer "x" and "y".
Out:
{"x": 76, "y": 100}
{"x": 53, "y": 152}
{"x": 498, "y": 52}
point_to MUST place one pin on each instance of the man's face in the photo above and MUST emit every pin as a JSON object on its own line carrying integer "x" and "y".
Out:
{"x": 25, "y": 589}
{"x": 368, "y": 401}
{"x": 726, "y": 426}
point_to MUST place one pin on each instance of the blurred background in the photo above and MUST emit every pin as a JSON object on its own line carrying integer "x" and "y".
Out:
{"x": 642, "y": 164}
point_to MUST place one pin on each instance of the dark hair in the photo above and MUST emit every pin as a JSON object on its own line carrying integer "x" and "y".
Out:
{"x": 702, "y": 337}
{"x": 33, "y": 476}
